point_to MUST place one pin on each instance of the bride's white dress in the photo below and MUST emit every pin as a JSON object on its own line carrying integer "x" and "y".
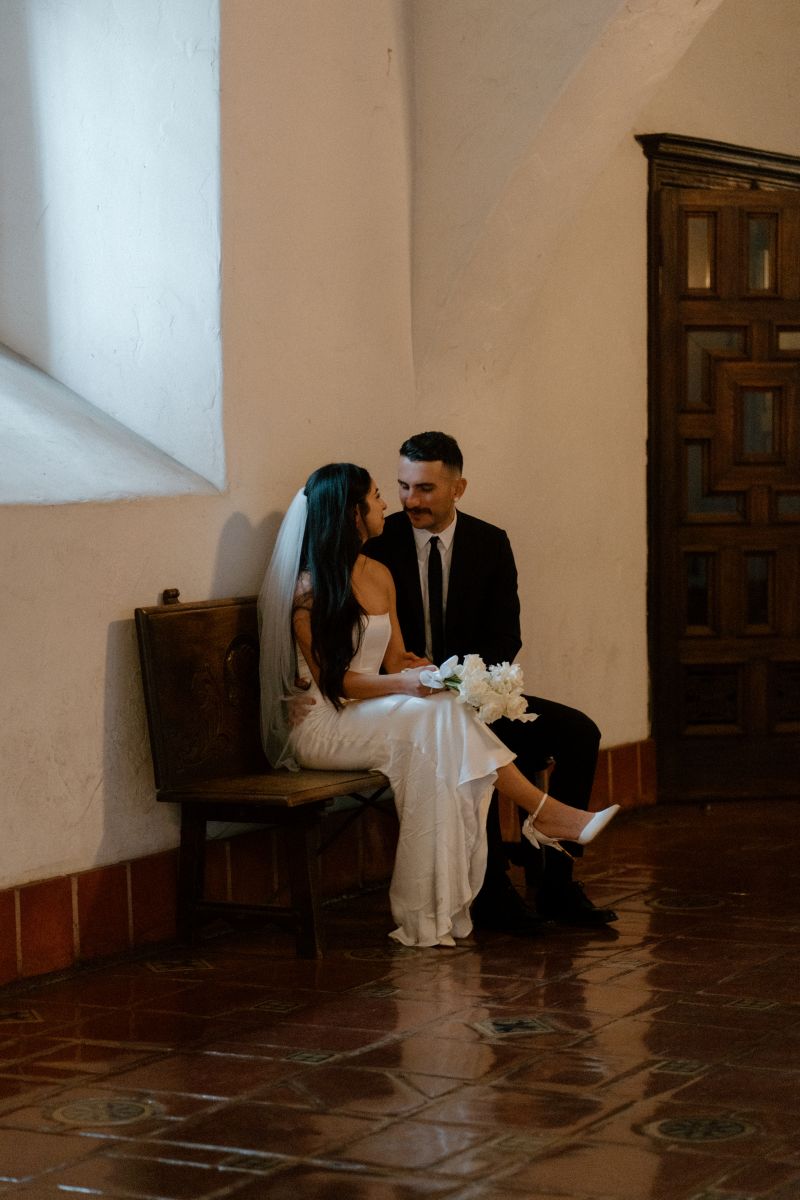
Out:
{"x": 442, "y": 763}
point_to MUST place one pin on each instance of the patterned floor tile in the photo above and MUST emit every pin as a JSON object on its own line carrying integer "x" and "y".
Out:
{"x": 655, "y": 1060}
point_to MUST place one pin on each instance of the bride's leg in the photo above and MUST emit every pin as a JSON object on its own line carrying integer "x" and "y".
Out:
{"x": 555, "y": 820}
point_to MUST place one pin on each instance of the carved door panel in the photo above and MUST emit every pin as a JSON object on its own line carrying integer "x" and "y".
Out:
{"x": 725, "y": 519}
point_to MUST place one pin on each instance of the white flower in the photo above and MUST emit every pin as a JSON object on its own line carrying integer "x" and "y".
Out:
{"x": 435, "y": 677}
{"x": 493, "y": 692}
{"x": 491, "y": 709}
{"x": 506, "y": 678}
{"x": 517, "y": 709}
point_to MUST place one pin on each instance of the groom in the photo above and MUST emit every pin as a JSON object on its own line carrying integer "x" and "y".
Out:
{"x": 456, "y": 586}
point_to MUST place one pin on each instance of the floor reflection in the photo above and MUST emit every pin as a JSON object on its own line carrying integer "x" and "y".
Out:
{"x": 658, "y": 1060}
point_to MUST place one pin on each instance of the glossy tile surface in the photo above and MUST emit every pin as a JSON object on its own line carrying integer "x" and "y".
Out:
{"x": 658, "y": 1059}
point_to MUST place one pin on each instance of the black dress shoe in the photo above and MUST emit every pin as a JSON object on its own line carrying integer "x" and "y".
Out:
{"x": 507, "y": 912}
{"x": 569, "y": 904}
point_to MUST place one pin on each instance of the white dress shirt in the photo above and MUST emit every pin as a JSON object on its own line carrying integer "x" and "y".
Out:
{"x": 422, "y": 537}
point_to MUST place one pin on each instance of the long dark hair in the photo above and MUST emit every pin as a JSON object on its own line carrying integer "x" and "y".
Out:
{"x": 331, "y": 545}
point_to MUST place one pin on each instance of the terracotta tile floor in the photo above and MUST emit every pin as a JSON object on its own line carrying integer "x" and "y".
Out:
{"x": 655, "y": 1060}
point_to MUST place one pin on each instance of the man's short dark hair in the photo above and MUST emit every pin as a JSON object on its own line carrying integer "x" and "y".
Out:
{"x": 433, "y": 447}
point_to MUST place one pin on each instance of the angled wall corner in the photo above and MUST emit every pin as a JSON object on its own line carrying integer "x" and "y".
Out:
{"x": 482, "y": 252}
{"x": 110, "y": 250}
{"x": 55, "y": 448}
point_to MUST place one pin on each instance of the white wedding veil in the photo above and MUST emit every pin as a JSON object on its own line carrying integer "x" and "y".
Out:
{"x": 278, "y": 658}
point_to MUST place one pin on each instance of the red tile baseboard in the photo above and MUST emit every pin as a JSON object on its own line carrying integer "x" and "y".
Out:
{"x": 103, "y": 911}
{"x": 153, "y": 896}
{"x": 626, "y": 775}
{"x": 46, "y": 929}
{"x": 54, "y": 924}
{"x": 9, "y": 936}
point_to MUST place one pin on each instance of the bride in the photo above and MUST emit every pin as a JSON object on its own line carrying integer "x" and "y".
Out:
{"x": 327, "y": 615}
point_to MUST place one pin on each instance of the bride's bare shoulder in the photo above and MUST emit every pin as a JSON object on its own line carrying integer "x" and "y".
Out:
{"x": 375, "y": 572}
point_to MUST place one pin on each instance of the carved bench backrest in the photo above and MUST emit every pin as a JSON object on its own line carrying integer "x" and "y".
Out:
{"x": 200, "y": 671}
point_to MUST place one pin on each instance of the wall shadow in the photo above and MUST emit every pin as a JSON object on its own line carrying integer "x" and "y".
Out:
{"x": 24, "y": 315}
{"x": 131, "y": 815}
{"x": 243, "y": 552}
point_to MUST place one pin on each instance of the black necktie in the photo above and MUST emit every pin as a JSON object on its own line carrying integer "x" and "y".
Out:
{"x": 435, "y": 605}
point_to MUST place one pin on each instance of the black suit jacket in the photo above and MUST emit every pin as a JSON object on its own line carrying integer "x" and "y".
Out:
{"x": 482, "y": 603}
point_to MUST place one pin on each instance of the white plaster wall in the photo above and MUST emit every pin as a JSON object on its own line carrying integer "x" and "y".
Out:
{"x": 529, "y": 313}
{"x": 739, "y": 82}
{"x": 556, "y": 453}
{"x": 486, "y": 77}
{"x": 490, "y": 271}
{"x": 531, "y": 341}
{"x": 109, "y": 220}
{"x": 318, "y": 366}
{"x": 56, "y": 447}
{"x": 567, "y": 434}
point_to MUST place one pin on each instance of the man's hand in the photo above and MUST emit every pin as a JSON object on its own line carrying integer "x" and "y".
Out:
{"x": 299, "y": 703}
{"x": 408, "y": 661}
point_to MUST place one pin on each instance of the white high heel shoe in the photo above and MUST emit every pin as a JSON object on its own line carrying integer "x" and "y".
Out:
{"x": 598, "y": 822}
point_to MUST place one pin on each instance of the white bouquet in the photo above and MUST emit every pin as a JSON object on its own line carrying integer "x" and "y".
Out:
{"x": 493, "y": 692}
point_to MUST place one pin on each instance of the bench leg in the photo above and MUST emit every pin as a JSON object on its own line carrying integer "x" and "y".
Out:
{"x": 302, "y": 845}
{"x": 191, "y": 870}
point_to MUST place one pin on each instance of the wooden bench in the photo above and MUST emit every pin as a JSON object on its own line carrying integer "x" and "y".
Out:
{"x": 200, "y": 673}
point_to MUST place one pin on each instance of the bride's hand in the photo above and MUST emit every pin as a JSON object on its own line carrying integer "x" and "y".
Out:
{"x": 412, "y": 684}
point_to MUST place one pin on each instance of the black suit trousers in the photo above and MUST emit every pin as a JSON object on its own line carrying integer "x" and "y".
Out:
{"x": 573, "y": 740}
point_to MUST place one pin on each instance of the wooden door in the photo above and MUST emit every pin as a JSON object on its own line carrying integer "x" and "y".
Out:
{"x": 725, "y": 490}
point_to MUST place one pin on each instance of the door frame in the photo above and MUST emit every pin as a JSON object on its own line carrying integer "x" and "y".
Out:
{"x": 678, "y": 161}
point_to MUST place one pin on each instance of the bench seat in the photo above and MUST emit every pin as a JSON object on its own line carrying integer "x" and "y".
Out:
{"x": 278, "y": 789}
{"x": 200, "y": 676}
